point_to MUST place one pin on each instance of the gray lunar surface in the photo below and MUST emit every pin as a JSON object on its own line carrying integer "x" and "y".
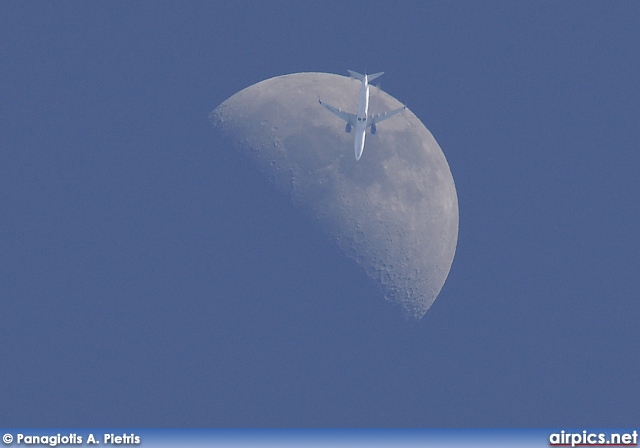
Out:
{"x": 394, "y": 212}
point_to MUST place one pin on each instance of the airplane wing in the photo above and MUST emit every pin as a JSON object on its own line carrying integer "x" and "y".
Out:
{"x": 349, "y": 118}
{"x": 383, "y": 116}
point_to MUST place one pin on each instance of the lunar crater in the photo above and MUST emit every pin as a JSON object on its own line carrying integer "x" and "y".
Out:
{"x": 394, "y": 212}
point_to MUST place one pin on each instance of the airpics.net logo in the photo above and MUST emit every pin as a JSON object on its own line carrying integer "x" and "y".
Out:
{"x": 586, "y": 438}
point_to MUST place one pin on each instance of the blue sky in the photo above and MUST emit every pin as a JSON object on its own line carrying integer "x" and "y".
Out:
{"x": 147, "y": 278}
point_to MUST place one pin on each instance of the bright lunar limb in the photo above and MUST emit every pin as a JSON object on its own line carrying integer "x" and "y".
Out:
{"x": 395, "y": 211}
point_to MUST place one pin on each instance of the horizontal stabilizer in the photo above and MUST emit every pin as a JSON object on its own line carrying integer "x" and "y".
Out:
{"x": 360, "y": 76}
{"x": 356, "y": 75}
{"x": 374, "y": 76}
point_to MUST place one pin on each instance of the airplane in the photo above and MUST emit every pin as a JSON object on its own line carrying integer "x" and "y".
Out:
{"x": 361, "y": 121}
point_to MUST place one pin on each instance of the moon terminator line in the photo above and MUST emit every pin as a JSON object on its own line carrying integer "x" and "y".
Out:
{"x": 394, "y": 213}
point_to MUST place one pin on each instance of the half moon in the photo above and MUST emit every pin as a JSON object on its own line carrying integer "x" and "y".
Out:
{"x": 395, "y": 211}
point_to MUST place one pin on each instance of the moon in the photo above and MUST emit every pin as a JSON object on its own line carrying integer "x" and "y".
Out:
{"x": 394, "y": 212}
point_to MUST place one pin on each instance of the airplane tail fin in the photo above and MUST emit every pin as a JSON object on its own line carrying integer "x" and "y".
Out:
{"x": 360, "y": 77}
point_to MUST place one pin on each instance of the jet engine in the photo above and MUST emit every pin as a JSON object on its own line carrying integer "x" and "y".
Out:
{"x": 347, "y": 128}
{"x": 373, "y": 128}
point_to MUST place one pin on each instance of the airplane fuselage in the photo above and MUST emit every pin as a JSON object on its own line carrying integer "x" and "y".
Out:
{"x": 361, "y": 124}
{"x": 361, "y": 120}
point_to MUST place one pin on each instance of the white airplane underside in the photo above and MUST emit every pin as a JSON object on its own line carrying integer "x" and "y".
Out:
{"x": 362, "y": 120}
